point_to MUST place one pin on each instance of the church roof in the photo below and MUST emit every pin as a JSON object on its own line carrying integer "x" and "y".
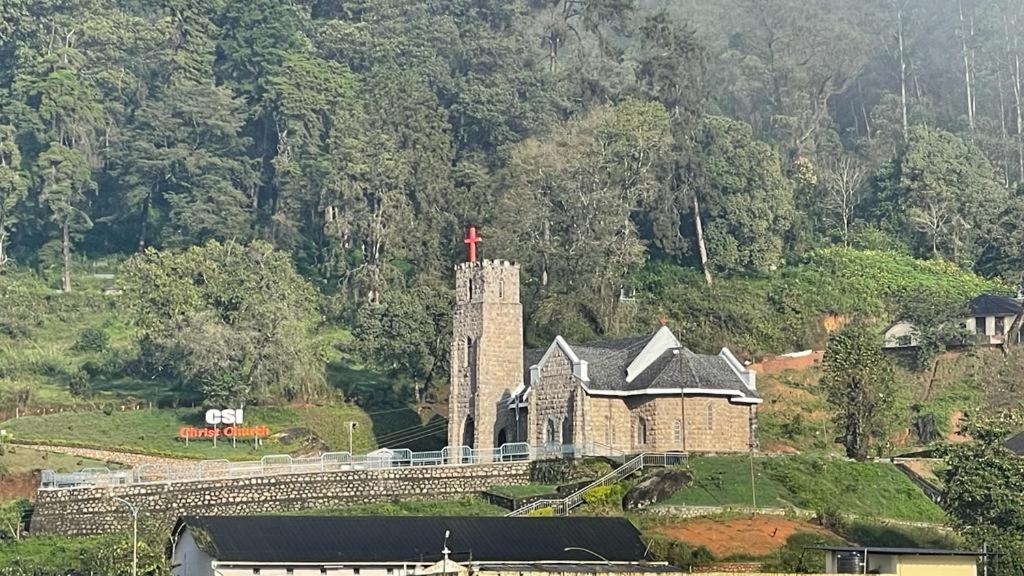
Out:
{"x": 654, "y": 364}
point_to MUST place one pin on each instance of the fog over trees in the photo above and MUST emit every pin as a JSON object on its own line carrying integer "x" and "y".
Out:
{"x": 587, "y": 138}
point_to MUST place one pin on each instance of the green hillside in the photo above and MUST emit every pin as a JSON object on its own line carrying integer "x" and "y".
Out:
{"x": 867, "y": 489}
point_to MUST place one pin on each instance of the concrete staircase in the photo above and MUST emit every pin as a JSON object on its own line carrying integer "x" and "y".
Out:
{"x": 563, "y": 506}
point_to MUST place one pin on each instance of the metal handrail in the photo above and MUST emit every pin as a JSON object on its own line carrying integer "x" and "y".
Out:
{"x": 563, "y": 506}
{"x": 278, "y": 464}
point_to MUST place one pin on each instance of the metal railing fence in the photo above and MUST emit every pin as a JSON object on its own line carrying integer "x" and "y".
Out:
{"x": 284, "y": 464}
{"x": 562, "y": 506}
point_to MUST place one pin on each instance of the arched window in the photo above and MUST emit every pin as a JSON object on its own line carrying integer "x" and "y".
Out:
{"x": 467, "y": 349}
{"x": 711, "y": 417}
{"x": 550, "y": 435}
{"x": 566, "y": 430}
{"x": 677, "y": 430}
{"x": 641, "y": 431}
{"x": 501, "y": 289}
{"x": 470, "y": 289}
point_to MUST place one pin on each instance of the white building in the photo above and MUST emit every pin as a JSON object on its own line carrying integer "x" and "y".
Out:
{"x": 989, "y": 321}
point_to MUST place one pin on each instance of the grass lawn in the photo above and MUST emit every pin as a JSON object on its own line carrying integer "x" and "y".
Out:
{"x": 725, "y": 481}
{"x": 524, "y": 491}
{"x": 467, "y": 506}
{"x": 867, "y": 489}
{"x": 47, "y": 554}
{"x": 156, "y": 431}
{"x": 21, "y": 459}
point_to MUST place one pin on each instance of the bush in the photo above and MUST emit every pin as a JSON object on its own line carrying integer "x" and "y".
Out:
{"x": 797, "y": 557}
{"x": 91, "y": 340}
{"x": 605, "y": 496}
{"x": 79, "y": 384}
{"x": 678, "y": 553}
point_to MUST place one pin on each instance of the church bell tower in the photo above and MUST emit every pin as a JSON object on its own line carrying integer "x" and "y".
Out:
{"x": 487, "y": 350}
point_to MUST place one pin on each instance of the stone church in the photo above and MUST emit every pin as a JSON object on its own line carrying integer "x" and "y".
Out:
{"x": 647, "y": 393}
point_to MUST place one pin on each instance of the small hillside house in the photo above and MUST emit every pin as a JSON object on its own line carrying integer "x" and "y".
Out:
{"x": 989, "y": 321}
{"x": 902, "y": 561}
{"x": 408, "y": 546}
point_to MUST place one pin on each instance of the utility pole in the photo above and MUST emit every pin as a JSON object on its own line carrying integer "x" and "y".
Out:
{"x": 351, "y": 426}
{"x": 753, "y": 484}
{"x": 135, "y": 533}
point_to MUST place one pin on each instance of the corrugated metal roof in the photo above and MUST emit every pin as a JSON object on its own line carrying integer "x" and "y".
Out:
{"x": 372, "y": 539}
{"x": 898, "y": 551}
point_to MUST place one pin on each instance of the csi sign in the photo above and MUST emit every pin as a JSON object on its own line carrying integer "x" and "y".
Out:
{"x": 224, "y": 416}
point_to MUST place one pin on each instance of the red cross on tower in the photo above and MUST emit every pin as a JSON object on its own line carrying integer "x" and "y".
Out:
{"x": 472, "y": 239}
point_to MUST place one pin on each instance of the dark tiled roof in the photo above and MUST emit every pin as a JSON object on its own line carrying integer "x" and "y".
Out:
{"x": 398, "y": 539}
{"x": 676, "y": 368}
{"x": 1015, "y": 444}
{"x": 994, "y": 305}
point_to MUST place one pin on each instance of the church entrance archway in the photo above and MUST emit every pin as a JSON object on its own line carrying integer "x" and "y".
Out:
{"x": 468, "y": 432}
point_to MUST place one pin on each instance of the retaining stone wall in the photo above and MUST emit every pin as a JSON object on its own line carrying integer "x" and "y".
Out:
{"x": 92, "y": 510}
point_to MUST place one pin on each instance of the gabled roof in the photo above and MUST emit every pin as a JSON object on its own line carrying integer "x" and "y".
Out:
{"x": 398, "y": 539}
{"x": 994, "y": 305}
{"x": 653, "y": 364}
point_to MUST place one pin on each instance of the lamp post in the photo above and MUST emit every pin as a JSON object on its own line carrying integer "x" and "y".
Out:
{"x": 606, "y": 561}
{"x": 351, "y": 426}
{"x": 135, "y": 533}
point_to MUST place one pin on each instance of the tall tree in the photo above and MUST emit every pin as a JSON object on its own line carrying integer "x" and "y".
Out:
{"x": 745, "y": 198}
{"x": 12, "y": 185}
{"x": 64, "y": 180}
{"x": 860, "y": 386}
{"x": 232, "y": 321}
{"x": 984, "y": 483}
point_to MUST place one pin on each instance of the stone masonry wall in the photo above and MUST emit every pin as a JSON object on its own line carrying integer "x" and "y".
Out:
{"x": 729, "y": 429}
{"x": 489, "y": 316}
{"x": 92, "y": 510}
{"x": 551, "y": 400}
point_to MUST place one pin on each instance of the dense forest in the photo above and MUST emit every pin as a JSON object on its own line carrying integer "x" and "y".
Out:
{"x": 607, "y": 145}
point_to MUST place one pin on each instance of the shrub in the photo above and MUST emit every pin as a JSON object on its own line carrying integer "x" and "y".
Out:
{"x": 797, "y": 555}
{"x": 546, "y": 511}
{"x": 678, "y": 553}
{"x": 79, "y": 384}
{"x": 605, "y": 496}
{"x": 91, "y": 340}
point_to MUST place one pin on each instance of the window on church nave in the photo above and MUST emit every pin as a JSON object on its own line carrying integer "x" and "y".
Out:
{"x": 549, "y": 435}
{"x": 677, "y": 430}
{"x": 711, "y": 417}
{"x": 641, "y": 430}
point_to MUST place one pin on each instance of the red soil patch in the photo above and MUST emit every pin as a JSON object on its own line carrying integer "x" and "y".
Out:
{"x": 14, "y": 486}
{"x": 755, "y": 535}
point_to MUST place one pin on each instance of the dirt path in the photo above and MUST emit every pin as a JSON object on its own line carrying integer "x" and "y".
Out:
{"x": 124, "y": 458}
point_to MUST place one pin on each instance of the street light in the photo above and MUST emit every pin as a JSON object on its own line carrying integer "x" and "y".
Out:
{"x": 588, "y": 552}
{"x": 351, "y": 426}
{"x": 135, "y": 533}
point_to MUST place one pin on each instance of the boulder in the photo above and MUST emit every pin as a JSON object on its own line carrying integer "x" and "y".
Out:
{"x": 658, "y": 486}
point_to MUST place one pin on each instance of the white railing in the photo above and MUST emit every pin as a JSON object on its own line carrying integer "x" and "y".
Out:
{"x": 562, "y": 506}
{"x": 283, "y": 464}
